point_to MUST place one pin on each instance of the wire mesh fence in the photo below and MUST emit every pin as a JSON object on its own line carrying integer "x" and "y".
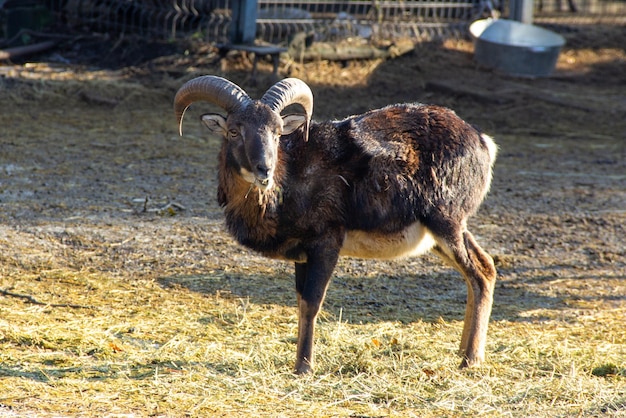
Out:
{"x": 586, "y": 7}
{"x": 152, "y": 18}
{"x": 278, "y": 20}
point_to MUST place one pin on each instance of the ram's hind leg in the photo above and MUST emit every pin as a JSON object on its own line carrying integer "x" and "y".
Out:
{"x": 461, "y": 250}
{"x": 469, "y": 305}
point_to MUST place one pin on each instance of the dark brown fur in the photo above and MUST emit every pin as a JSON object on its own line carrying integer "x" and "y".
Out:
{"x": 379, "y": 172}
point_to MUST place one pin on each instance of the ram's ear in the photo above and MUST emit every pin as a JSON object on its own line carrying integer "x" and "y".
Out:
{"x": 215, "y": 123}
{"x": 292, "y": 122}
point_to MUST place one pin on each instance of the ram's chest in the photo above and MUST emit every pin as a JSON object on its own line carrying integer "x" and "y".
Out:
{"x": 251, "y": 224}
{"x": 413, "y": 240}
{"x": 250, "y": 215}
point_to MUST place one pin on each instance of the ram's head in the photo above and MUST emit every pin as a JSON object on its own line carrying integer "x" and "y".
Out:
{"x": 252, "y": 128}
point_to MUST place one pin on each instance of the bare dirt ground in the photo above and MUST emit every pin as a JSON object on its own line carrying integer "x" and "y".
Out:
{"x": 93, "y": 178}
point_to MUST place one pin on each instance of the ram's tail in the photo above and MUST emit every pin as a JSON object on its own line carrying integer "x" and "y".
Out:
{"x": 491, "y": 146}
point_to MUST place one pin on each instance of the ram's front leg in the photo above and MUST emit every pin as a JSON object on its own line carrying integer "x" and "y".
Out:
{"x": 312, "y": 279}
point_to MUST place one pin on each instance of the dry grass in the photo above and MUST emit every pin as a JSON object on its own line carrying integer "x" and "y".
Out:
{"x": 142, "y": 347}
{"x": 110, "y": 310}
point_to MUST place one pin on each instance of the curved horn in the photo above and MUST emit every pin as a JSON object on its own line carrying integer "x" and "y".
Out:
{"x": 212, "y": 89}
{"x": 290, "y": 91}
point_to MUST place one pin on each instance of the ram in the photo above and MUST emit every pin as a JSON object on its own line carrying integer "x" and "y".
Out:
{"x": 390, "y": 183}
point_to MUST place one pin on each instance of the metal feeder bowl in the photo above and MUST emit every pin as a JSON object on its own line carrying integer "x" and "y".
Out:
{"x": 515, "y": 48}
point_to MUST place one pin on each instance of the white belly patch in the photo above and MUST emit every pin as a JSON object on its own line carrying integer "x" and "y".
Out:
{"x": 411, "y": 241}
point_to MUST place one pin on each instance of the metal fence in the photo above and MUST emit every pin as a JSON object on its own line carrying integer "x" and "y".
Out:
{"x": 162, "y": 19}
{"x": 280, "y": 19}
{"x": 386, "y": 19}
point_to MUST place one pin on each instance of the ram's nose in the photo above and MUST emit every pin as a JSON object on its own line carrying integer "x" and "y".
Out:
{"x": 263, "y": 176}
{"x": 262, "y": 173}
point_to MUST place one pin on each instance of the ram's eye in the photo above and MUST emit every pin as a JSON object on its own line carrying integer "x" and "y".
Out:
{"x": 233, "y": 133}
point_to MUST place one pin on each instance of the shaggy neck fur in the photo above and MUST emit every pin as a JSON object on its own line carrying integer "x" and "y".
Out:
{"x": 251, "y": 214}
